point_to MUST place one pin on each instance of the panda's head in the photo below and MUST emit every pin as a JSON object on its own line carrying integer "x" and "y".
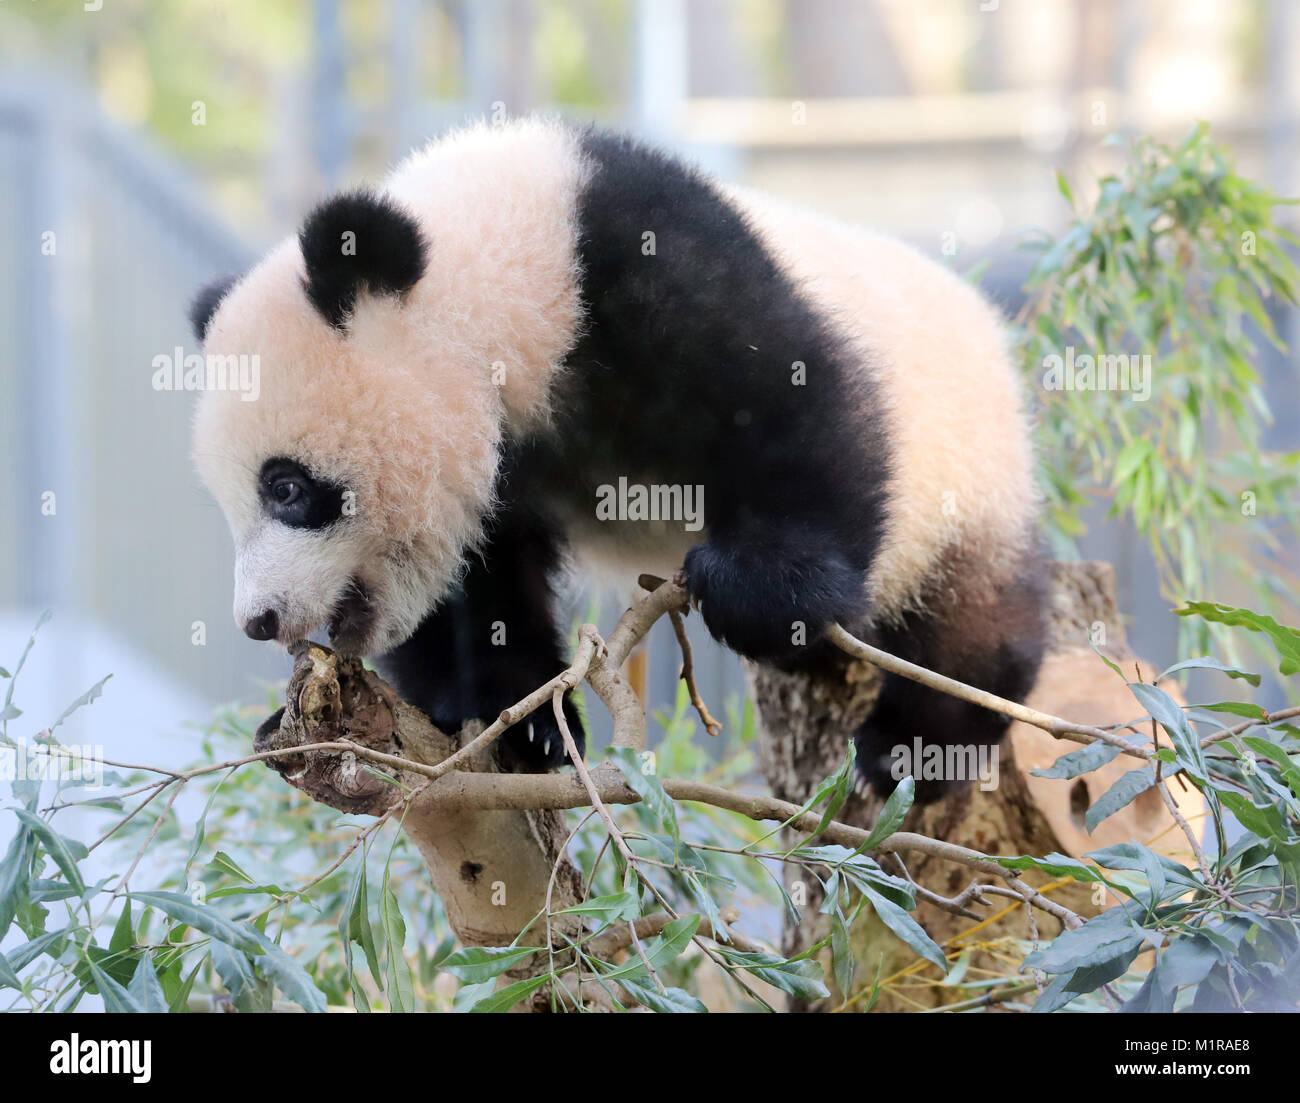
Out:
{"x": 356, "y": 471}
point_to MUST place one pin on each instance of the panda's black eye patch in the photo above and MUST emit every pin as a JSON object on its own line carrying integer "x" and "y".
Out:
{"x": 294, "y": 497}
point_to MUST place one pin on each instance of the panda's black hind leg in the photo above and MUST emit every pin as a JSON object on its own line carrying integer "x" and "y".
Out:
{"x": 957, "y": 742}
{"x": 995, "y": 644}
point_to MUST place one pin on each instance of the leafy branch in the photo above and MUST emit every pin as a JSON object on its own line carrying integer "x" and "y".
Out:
{"x": 1177, "y": 260}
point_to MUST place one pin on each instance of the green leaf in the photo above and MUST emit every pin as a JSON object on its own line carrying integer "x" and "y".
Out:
{"x": 1122, "y": 793}
{"x": 1083, "y": 760}
{"x": 505, "y": 998}
{"x": 1206, "y": 663}
{"x": 117, "y": 1000}
{"x": 220, "y": 860}
{"x": 1286, "y": 767}
{"x": 1085, "y": 978}
{"x": 401, "y": 996}
{"x": 180, "y": 1001}
{"x": 1135, "y": 856}
{"x": 1266, "y": 822}
{"x": 905, "y": 927}
{"x": 146, "y": 989}
{"x": 671, "y": 1001}
{"x": 355, "y": 926}
{"x": 1236, "y": 708}
{"x": 1286, "y": 640}
{"x": 1151, "y": 998}
{"x": 842, "y": 963}
{"x": 836, "y": 790}
{"x": 1132, "y": 458}
{"x": 1063, "y": 186}
{"x": 1188, "y": 960}
{"x": 892, "y": 815}
{"x": 1105, "y": 659}
{"x": 202, "y": 918}
{"x": 1097, "y": 942}
{"x": 672, "y": 940}
{"x": 234, "y": 967}
{"x": 22, "y": 659}
{"x": 291, "y": 978}
{"x": 123, "y": 937}
{"x": 649, "y": 788}
{"x": 608, "y": 909}
{"x": 475, "y": 964}
{"x": 13, "y": 875}
{"x": 799, "y": 977}
{"x": 1169, "y": 715}
{"x": 65, "y": 852}
{"x": 1056, "y": 865}
{"x": 52, "y": 943}
{"x": 8, "y": 976}
{"x": 86, "y": 698}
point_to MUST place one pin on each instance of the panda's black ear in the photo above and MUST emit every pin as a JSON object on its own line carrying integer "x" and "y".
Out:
{"x": 359, "y": 241}
{"x": 206, "y": 302}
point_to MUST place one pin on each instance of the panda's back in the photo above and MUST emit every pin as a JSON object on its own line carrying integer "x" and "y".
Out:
{"x": 643, "y": 327}
{"x": 962, "y": 486}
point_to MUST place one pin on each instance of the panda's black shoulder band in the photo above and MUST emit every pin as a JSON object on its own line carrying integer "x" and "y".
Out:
{"x": 359, "y": 241}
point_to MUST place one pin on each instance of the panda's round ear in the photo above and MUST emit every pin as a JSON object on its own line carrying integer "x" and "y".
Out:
{"x": 354, "y": 242}
{"x": 206, "y": 302}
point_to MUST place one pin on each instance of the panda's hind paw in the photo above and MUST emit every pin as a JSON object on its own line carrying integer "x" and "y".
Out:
{"x": 535, "y": 744}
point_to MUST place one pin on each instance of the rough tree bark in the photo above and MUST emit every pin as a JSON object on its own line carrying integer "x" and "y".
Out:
{"x": 492, "y": 868}
{"x": 803, "y": 723}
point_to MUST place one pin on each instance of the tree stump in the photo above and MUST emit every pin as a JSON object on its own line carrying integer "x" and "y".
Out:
{"x": 805, "y": 721}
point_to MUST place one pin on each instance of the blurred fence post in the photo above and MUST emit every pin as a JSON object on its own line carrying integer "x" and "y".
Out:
{"x": 660, "y": 76}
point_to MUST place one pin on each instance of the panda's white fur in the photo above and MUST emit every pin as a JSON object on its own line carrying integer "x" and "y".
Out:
{"x": 408, "y": 408}
{"x": 963, "y": 471}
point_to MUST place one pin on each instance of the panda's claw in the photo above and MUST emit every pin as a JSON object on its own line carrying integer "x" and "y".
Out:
{"x": 536, "y": 745}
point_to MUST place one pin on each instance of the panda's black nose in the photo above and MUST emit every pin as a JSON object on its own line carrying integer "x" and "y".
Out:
{"x": 264, "y": 626}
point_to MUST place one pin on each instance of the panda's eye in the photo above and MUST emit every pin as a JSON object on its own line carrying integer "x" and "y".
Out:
{"x": 286, "y": 491}
{"x": 293, "y": 496}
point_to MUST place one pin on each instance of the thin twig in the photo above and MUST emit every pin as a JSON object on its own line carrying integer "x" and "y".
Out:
{"x": 711, "y": 725}
{"x": 1054, "y": 725}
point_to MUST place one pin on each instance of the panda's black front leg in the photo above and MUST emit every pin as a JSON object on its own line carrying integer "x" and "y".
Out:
{"x": 492, "y": 643}
{"x": 770, "y": 592}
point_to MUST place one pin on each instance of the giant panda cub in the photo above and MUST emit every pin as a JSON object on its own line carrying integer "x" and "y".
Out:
{"x": 457, "y": 366}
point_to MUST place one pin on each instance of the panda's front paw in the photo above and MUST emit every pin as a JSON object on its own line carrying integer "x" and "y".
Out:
{"x": 536, "y": 745}
{"x": 772, "y": 600}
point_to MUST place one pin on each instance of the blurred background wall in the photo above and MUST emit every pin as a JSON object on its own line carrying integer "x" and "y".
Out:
{"x": 146, "y": 146}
